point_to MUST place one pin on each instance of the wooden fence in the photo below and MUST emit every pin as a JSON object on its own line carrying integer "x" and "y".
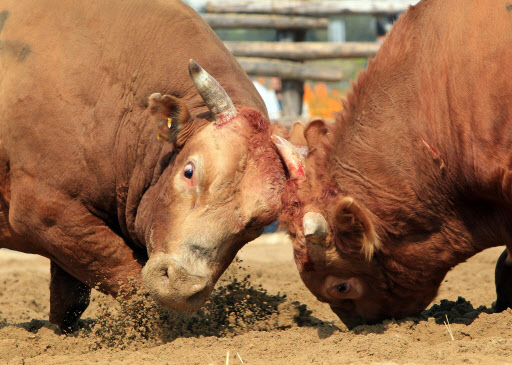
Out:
{"x": 315, "y": 8}
{"x": 292, "y": 19}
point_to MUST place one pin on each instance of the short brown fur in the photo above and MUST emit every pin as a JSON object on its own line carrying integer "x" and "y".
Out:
{"x": 84, "y": 180}
{"x": 423, "y": 145}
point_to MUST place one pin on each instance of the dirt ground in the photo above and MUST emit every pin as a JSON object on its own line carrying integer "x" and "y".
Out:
{"x": 261, "y": 313}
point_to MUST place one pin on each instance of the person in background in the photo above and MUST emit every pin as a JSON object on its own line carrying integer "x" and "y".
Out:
{"x": 270, "y": 99}
{"x": 275, "y": 84}
{"x": 383, "y": 26}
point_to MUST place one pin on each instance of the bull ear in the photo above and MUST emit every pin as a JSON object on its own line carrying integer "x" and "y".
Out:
{"x": 350, "y": 215}
{"x": 169, "y": 114}
{"x": 315, "y": 131}
{"x": 317, "y": 134}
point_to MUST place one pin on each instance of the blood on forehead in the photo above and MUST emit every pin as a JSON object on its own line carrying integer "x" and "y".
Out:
{"x": 303, "y": 260}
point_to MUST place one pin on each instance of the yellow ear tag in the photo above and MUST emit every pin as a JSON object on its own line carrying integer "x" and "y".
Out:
{"x": 169, "y": 123}
{"x": 159, "y": 138}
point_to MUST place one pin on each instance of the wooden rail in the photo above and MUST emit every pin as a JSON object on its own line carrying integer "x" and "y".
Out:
{"x": 292, "y": 19}
{"x": 300, "y": 51}
{"x": 246, "y": 21}
{"x": 288, "y": 70}
{"x": 323, "y": 8}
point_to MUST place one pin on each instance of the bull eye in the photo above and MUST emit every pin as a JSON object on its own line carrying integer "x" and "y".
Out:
{"x": 343, "y": 288}
{"x": 188, "y": 171}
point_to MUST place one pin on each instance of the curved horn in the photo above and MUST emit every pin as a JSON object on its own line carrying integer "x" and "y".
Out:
{"x": 315, "y": 226}
{"x": 214, "y": 96}
{"x": 292, "y": 158}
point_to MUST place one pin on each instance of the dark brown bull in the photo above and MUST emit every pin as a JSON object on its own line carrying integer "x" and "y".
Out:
{"x": 415, "y": 176}
{"x": 84, "y": 180}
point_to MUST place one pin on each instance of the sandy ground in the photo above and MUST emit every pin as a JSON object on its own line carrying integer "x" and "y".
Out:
{"x": 261, "y": 313}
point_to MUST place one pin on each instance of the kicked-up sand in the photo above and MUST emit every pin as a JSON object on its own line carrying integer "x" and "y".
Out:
{"x": 260, "y": 313}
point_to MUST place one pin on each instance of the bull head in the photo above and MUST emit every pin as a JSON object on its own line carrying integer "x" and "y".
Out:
{"x": 221, "y": 189}
{"x": 330, "y": 253}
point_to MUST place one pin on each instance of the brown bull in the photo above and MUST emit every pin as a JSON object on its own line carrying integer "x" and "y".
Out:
{"x": 84, "y": 180}
{"x": 415, "y": 176}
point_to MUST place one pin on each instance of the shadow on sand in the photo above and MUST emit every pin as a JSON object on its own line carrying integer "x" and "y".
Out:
{"x": 459, "y": 311}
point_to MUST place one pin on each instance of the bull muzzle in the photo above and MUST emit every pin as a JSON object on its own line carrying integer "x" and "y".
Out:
{"x": 350, "y": 319}
{"x": 175, "y": 287}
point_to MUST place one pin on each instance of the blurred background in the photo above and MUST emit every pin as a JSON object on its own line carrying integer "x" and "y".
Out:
{"x": 302, "y": 54}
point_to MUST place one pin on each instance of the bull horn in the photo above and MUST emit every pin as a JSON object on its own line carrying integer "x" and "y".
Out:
{"x": 314, "y": 226}
{"x": 214, "y": 96}
{"x": 292, "y": 158}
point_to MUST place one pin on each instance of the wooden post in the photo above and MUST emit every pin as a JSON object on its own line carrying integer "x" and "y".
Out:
{"x": 292, "y": 91}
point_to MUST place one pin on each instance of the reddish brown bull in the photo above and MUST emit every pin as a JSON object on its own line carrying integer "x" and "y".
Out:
{"x": 84, "y": 180}
{"x": 415, "y": 176}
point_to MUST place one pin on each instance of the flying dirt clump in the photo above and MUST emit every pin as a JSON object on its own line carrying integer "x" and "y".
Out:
{"x": 234, "y": 308}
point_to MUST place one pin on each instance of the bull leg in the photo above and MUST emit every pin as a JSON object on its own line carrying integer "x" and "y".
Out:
{"x": 69, "y": 298}
{"x": 503, "y": 280}
{"x": 78, "y": 243}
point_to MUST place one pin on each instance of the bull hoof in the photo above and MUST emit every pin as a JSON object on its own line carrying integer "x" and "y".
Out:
{"x": 69, "y": 298}
{"x": 68, "y": 320}
{"x": 503, "y": 280}
{"x": 69, "y": 325}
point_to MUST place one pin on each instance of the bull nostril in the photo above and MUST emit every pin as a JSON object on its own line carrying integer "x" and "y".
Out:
{"x": 164, "y": 276}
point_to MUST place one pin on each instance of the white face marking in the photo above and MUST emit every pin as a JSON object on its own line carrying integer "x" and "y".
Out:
{"x": 193, "y": 263}
{"x": 150, "y": 244}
